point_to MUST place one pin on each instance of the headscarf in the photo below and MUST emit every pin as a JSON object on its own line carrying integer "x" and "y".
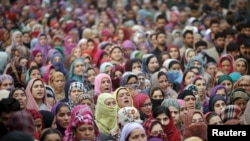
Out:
{"x": 31, "y": 103}
{"x": 148, "y": 125}
{"x": 198, "y": 59}
{"x": 116, "y": 81}
{"x": 68, "y": 47}
{"x": 125, "y": 78}
{"x": 197, "y": 129}
{"x": 128, "y": 128}
{"x": 115, "y": 93}
{"x": 4, "y": 77}
{"x": 177, "y": 48}
{"x": 36, "y": 115}
{"x": 106, "y": 117}
{"x": 104, "y": 65}
{"x": 239, "y": 93}
{"x": 145, "y": 62}
{"x": 71, "y": 74}
{"x": 44, "y": 49}
{"x": 171, "y": 102}
{"x": 213, "y": 100}
{"x": 80, "y": 115}
{"x": 246, "y": 63}
{"x": 225, "y": 77}
{"x": 55, "y": 110}
{"x": 127, "y": 115}
{"x": 217, "y": 87}
{"x": 139, "y": 100}
{"x": 45, "y": 72}
{"x": 230, "y": 112}
{"x": 227, "y": 57}
{"x": 98, "y": 80}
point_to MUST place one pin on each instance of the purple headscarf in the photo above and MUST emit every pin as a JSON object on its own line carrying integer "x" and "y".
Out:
{"x": 128, "y": 128}
{"x": 67, "y": 46}
{"x": 43, "y": 48}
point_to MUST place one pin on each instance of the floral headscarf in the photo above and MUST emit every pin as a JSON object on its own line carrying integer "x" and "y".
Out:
{"x": 127, "y": 115}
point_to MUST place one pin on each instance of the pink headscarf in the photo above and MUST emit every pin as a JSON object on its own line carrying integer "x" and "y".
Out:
{"x": 68, "y": 47}
{"x": 80, "y": 114}
{"x": 97, "y": 83}
{"x": 31, "y": 103}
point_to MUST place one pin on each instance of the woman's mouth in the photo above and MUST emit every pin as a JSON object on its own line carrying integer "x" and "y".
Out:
{"x": 127, "y": 102}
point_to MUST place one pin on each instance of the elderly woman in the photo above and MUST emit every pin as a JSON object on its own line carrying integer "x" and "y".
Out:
{"x": 240, "y": 97}
{"x": 6, "y": 82}
{"x": 133, "y": 131}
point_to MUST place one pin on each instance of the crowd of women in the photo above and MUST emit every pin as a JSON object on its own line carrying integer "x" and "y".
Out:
{"x": 122, "y": 70}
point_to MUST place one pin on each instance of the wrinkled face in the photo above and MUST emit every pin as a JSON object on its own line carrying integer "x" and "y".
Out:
{"x": 124, "y": 98}
{"x": 63, "y": 116}
{"x": 105, "y": 85}
{"x": 228, "y": 84}
{"x": 189, "y": 77}
{"x": 175, "y": 114}
{"x": 219, "y": 105}
{"x": 157, "y": 94}
{"x": 190, "y": 101}
{"x": 163, "y": 82}
{"x": 6, "y": 84}
{"x": 226, "y": 66}
{"x": 137, "y": 135}
{"x": 153, "y": 65}
{"x": 244, "y": 84}
{"x": 110, "y": 102}
{"x": 241, "y": 67}
{"x": 163, "y": 118}
{"x": 116, "y": 54}
{"x": 146, "y": 108}
{"x": 78, "y": 68}
{"x": 43, "y": 40}
{"x": 216, "y": 120}
{"x": 197, "y": 118}
{"x": 38, "y": 89}
{"x": 35, "y": 74}
{"x": 85, "y": 132}
{"x": 21, "y": 97}
{"x": 242, "y": 103}
{"x": 74, "y": 94}
{"x": 174, "y": 53}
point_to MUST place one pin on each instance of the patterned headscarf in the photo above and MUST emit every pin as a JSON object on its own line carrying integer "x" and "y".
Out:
{"x": 106, "y": 116}
{"x": 127, "y": 115}
{"x": 230, "y": 112}
{"x": 239, "y": 93}
{"x": 148, "y": 125}
{"x": 80, "y": 115}
{"x": 36, "y": 115}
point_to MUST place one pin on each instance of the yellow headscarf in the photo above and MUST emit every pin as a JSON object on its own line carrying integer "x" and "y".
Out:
{"x": 106, "y": 117}
{"x": 115, "y": 94}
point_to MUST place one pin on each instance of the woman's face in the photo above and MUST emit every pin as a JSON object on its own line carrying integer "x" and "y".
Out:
{"x": 173, "y": 52}
{"x": 211, "y": 70}
{"x": 63, "y": 116}
{"x": 146, "y": 108}
{"x": 90, "y": 45}
{"x": 201, "y": 85}
{"x": 120, "y": 34}
{"x": 190, "y": 55}
{"x": 165, "y": 57}
{"x": 241, "y": 67}
{"x": 156, "y": 130}
{"x": 84, "y": 46}
{"x": 42, "y": 40}
{"x": 105, "y": 85}
{"x": 163, "y": 118}
{"x": 57, "y": 59}
{"x": 38, "y": 124}
{"x": 35, "y": 74}
{"x": 110, "y": 102}
{"x": 74, "y": 94}
{"x": 143, "y": 49}
{"x": 215, "y": 120}
{"x": 175, "y": 114}
{"x": 190, "y": 102}
{"x": 91, "y": 76}
{"x": 6, "y": 84}
{"x": 124, "y": 98}
{"x": 118, "y": 74}
{"x": 242, "y": 103}
{"x": 163, "y": 82}
{"x": 226, "y": 66}
{"x": 59, "y": 83}
{"x": 136, "y": 67}
{"x": 39, "y": 58}
{"x": 108, "y": 70}
{"x": 38, "y": 89}
{"x": 197, "y": 118}
{"x": 189, "y": 78}
{"x": 217, "y": 75}
{"x": 175, "y": 67}
{"x": 196, "y": 64}
{"x": 221, "y": 92}
{"x": 228, "y": 84}
{"x": 77, "y": 52}
{"x": 85, "y": 132}
{"x": 219, "y": 105}
{"x": 137, "y": 135}
{"x": 18, "y": 39}
{"x": 70, "y": 41}
{"x": 244, "y": 84}
{"x": 116, "y": 54}
{"x": 21, "y": 97}
{"x": 132, "y": 83}
{"x": 157, "y": 94}
{"x": 78, "y": 68}
{"x": 153, "y": 65}
{"x": 23, "y": 62}
{"x": 52, "y": 137}
{"x": 87, "y": 102}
